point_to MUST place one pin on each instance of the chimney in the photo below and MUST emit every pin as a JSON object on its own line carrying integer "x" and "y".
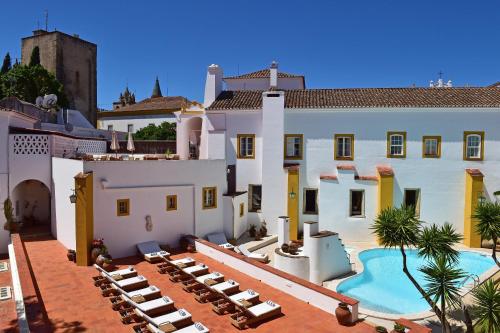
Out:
{"x": 213, "y": 84}
{"x": 273, "y": 77}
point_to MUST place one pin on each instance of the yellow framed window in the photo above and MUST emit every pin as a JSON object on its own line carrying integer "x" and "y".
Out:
{"x": 293, "y": 146}
{"x": 473, "y": 146}
{"x": 344, "y": 147}
{"x": 431, "y": 147}
{"x": 171, "y": 202}
{"x": 246, "y": 146}
{"x": 396, "y": 144}
{"x": 122, "y": 207}
{"x": 209, "y": 197}
{"x": 242, "y": 209}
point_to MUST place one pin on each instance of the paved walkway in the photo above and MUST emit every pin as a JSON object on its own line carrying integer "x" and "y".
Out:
{"x": 73, "y": 304}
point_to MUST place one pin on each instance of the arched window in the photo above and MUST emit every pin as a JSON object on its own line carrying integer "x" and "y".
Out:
{"x": 473, "y": 145}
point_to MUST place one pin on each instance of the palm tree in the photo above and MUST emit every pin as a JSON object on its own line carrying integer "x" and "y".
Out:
{"x": 442, "y": 284}
{"x": 400, "y": 228}
{"x": 488, "y": 226}
{"x": 487, "y": 307}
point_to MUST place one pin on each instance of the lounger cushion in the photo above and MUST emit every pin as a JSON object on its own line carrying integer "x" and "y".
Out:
{"x": 221, "y": 287}
{"x": 148, "y": 247}
{"x": 217, "y": 238}
{"x": 155, "y": 303}
{"x": 214, "y": 275}
{"x": 244, "y": 295}
{"x": 186, "y": 260}
{"x": 143, "y": 292}
{"x": 172, "y": 317}
{"x": 263, "y": 308}
{"x": 129, "y": 281}
{"x": 194, "y": 269}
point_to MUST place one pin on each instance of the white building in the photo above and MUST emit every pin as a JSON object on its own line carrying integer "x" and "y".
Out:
{"x": 338, "y": 156}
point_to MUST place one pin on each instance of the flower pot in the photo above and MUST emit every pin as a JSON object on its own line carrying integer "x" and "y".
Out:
{"x": 95, "y": 253}
{"x": 343, "y": 314}
{"x": 71, "y": 255}
{"x": 381, "y": 329}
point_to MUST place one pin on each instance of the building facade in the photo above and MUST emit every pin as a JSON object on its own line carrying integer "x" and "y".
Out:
{"x": 73, "y": 61}
{"x": 339, "y": 156}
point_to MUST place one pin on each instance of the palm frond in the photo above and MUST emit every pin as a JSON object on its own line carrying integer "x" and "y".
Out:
{"x": 487, "y": 307}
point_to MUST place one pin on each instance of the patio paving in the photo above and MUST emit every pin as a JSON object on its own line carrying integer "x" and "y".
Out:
{"x": 73, "y": 304}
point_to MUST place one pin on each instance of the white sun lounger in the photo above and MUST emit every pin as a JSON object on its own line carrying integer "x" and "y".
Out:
{"x": 224, "y": 286}
{"x": 213, "y": 276}
{"x": 220, "y": 239}
{"x": 151, "y": 251}
{"x": 246, "y": 295}
{"x": 252, "y": 255}
{"x": 147, "y": 293}
{"x": 195, "y": 269}
{"x": 255, "y": 314}
{"x": 125, "y": 272}
{"x": 195, "y": 328}
{"x": 263, "y": 308}
{"x": 152, "y": 305}
{"x": 183, "y": 261}
{"x": 173, "y": 317}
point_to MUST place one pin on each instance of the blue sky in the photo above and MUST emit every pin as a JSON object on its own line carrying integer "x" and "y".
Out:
{"x": 334, "y": 43}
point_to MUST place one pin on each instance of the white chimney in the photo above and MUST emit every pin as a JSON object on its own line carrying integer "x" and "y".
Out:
{"x": 213, "y": 84}
{"x": 273, "y": 77}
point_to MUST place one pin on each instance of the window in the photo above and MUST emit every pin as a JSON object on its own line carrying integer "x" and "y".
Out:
{"x": 310, "y": 199}
{"x": 123, "y": 207}
{"x": 473, "y": 146}
{"x": 396, "y": 144}
{"x": 293, "y": 146}
{"x": 431, "y": 146}
{"x": 130, "y": 128}
{"x": 254, "y": 197}
{"x": 209, "y": 197}
{"x": 110, "y": 127}
{"x": 357, "y": 206}
{"x": 246, "y": 145}
{"x": 171, "y": 202}
{"x": 412, "y": 199}
{"x": 242, "y": 209}
{"x": 344, "y": 146}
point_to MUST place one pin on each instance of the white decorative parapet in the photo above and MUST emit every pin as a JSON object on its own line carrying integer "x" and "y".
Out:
{"x": 28, "y": 144}
{"x": 92, "y": 146}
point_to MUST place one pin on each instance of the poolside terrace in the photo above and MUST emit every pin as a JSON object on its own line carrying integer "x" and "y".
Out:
{"x": 71, "y": 303}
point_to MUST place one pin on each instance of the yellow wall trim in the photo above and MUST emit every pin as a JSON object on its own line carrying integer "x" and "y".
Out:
{"x": 473, "y": 192}
{"x": 84, "y": 210}
{"x": 293, "y": 203}
{"x": 335, "y": 147}
{"x": 238, "y": 138}
{"x": 389, "y": 134}
{"x": 431, "y": 137}
{"x": 466, "y": 134}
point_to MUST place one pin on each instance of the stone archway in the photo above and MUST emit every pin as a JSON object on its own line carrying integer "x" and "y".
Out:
{"x": 31, "y": 201}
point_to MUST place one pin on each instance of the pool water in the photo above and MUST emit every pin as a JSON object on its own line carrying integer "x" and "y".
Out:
{"x": 383, "y": 286}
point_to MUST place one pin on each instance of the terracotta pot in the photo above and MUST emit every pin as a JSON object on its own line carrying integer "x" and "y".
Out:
{"x": 95, "y": 253}
{"x": 71, "y": 255}
{"x": 343, "y": 314}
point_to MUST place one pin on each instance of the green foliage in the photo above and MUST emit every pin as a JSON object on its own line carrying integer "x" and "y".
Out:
{"x": 395, "y": 227}
{"x": 488, "y": 225}
{"x": 437, "y": 241}
{"x": 166, "y": 131}
{"x": 6, "y": 65}
{"x": 29, "y": 82}
{"x": 8, "y": 212}
{"x": 487, "y": 307}
{"x": 35, "y": 56}
{"x": 443, "y": 280}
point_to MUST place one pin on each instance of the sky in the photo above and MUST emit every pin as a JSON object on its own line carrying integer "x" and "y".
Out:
{"x": 335, "y": 44}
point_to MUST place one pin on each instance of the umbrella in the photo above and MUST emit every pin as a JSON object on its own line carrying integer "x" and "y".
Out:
{"x": 115, "y": 146}
{"x": 130, "y": 143}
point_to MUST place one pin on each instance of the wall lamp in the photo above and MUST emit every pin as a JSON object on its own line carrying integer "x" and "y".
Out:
{"x": 292, "y": 194}
{"x": 72, "y": 197}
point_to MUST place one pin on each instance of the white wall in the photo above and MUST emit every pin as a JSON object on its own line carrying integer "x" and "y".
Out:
{"x": 146, "y": 184}
{"x": 4, "y": 234}
{"x": 63, "y": 211}
{"x": 240, "y": 223}
{"x": 441, "y": 181}
{"x": 121, "y": 123}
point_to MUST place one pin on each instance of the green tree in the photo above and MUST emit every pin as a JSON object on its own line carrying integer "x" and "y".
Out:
{"x": 29, "y": 82}
{"x": 442, "y": 284}
{"x": 165, "y": 131}
{"x": 400, "y": 228}
{"x": 35, "y": 56}
{"x": 6, "y": 65}
{"x": 487, "y": 307}
{"x": 488, "y": 226}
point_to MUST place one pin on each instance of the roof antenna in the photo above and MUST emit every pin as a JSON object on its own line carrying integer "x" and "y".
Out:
{"x": 46, "y": 20}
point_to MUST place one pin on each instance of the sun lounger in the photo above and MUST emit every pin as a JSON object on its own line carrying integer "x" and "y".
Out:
{"x": 151, "y": 251}
{"x": 171, "y": 265}
{"x": 116, "y": 275}
{"x": 220, "y": 239}
{"x": 210, "y": 279}
{"x": 242, "y": 299}
{"x": 255, "y": 314}
{"x": 195, "y": 328}
{"x": 217, "y": 291}
{"x": 168, "y": 321}
{"x": 142, "y": 295}
{"x": 257, "y": 256}
{"x": 197, "y": 270}
{"x": 154, "y": 307}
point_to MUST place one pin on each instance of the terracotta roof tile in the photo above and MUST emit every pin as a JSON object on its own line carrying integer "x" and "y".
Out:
{"x": 365, "y": 98}
{"x": 369, "y": 178}
{"x": 474, "y": 172}
{"x": 385, "y": 170}
{"x": 156, "y": 103}
{"x": 264, "y": 73}
{"x": 328, "y": 177}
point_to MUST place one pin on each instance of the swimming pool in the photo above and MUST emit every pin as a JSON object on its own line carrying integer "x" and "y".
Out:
{"x": 383, "y": 286}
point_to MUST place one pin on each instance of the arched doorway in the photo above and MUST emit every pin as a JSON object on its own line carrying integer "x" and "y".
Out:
{"x": 31, "y": 201}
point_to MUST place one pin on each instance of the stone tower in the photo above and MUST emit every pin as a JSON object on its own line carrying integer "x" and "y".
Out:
{"x": 74, "y": 63}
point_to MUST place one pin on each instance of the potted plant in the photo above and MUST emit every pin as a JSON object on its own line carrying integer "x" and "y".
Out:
{"x": 97, "y": 248}
{"x": 71, "y": 255}
{"x": 380, "y": 329}
{"x": 263, "y": 229}
{"x": 285, "y": 248}
{"x": 343, "y": 314}
{"x": 167, "y": 154}
{"x": 252, "y": 230}
{"x": 293, "y": 248}
{"x": 257, "y": 235}
{"x": 398, "y": 328}
{"x": 10, "y": 223}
